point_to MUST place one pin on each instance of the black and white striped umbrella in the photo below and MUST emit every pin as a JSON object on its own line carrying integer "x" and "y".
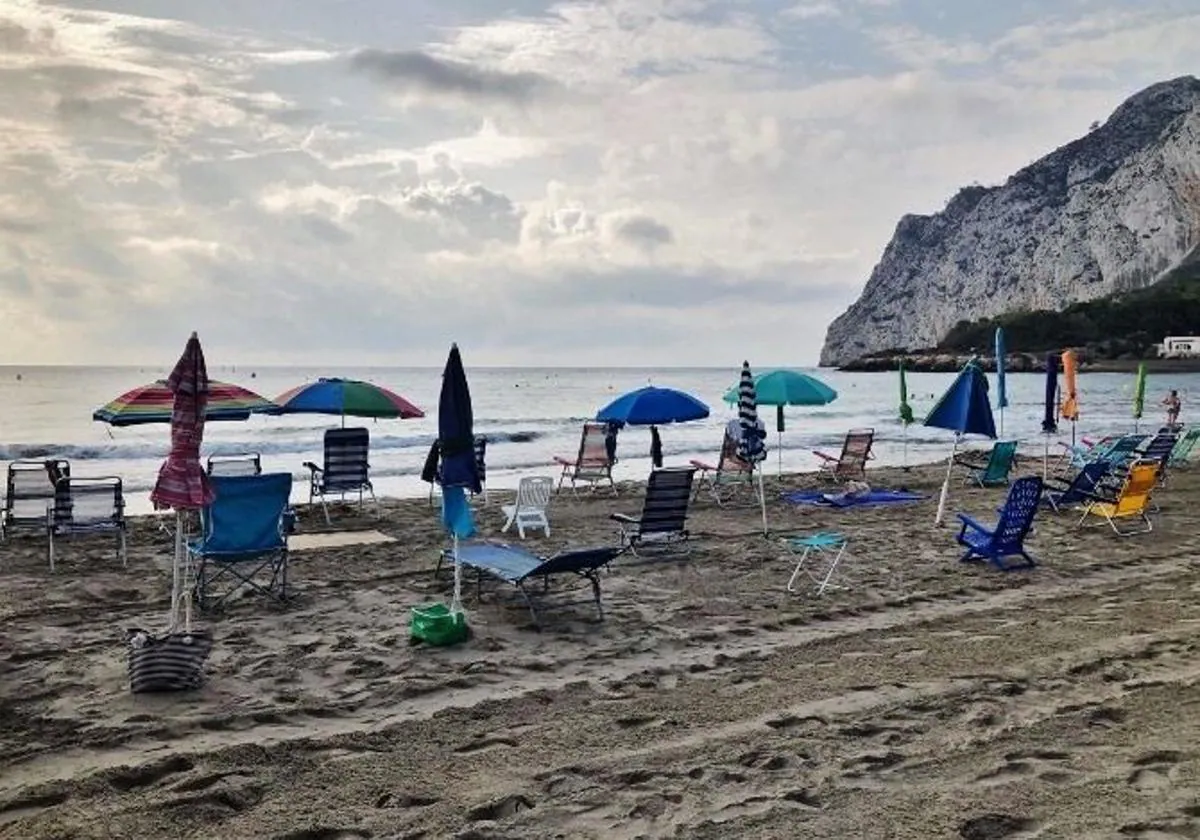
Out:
{"x": 751, "y": 447}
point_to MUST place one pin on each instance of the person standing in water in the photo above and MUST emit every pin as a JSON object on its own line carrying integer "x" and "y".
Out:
{"x": 1173, "y": 404}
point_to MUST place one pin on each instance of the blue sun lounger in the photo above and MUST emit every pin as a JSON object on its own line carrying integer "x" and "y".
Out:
{"x": 517, "y": 566}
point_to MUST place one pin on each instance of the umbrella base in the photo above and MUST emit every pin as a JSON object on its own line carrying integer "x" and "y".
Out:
{"x": 438, "y": 625}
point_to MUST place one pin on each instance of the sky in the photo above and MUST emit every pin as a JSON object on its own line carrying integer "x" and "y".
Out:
{"x": 596, "y": 183}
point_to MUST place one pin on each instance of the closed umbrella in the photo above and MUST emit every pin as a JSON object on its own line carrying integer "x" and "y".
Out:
{"x": 751, "y": 448}
{"x": 456, "y": 441}
{"x": 174, "y": 662}
{"x": 1139, "y": 394}
{"x": 906, "y": 412}
{"x": 1001, "y": 385}
{"x": 1050, "y": 415}
{"x": 964, "y": 409}
{"x": 1069, "y": 410}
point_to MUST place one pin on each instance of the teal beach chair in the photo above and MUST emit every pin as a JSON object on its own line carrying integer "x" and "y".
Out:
{"x": 999, "y": 464}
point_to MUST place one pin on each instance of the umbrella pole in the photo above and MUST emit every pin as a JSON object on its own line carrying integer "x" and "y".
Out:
{"x": 779, "y": 452}
{"x": 905, "y": 464}
{"x": 762, "y": 500}
{"x": 456, "y": 605}
{"x": 941, "y": 511}
{"x": 176, "y": 582}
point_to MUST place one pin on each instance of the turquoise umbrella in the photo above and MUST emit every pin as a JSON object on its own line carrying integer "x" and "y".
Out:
{"x": 786, "y": 387}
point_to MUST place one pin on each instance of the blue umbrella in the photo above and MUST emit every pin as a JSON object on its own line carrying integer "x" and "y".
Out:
{"x": 456, "y": 441}
{"x": 1001, "y": 390}
{"x": 653, "y": 406}
{"x": 965, "y": 410}
{"x": 1050, "y": 417}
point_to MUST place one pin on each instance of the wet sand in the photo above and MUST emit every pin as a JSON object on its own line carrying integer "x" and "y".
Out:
{"x": 930, "y": 698}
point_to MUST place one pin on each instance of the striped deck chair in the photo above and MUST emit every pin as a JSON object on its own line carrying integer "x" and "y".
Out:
{"x": 662, "y": 524}
{"x": 29, "y": 491}
{"x": 1159, "y": 449}
{"x": 246, "y": 463}
{"x": 1129, "y": 504}
{"x": 731, "y": 472}
{"x": 346, "y": 468}
{"x": 852, "y": 463}
{"x": 87, "y": 506}
{"x": 593, "y": 464}
{"x": 1183, "y": 449}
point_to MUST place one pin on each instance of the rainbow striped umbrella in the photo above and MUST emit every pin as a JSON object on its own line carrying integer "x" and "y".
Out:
{"x": 345, "y": 397}
{"x": 153, "y": 403}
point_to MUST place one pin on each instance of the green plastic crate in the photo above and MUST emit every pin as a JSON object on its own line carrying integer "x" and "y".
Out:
{"x": 436, "y": 624}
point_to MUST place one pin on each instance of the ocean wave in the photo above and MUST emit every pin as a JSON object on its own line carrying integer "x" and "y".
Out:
{"x": 117, "y": 450}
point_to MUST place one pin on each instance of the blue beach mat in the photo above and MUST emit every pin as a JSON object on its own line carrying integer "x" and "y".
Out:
{"x": 851, "y": 499}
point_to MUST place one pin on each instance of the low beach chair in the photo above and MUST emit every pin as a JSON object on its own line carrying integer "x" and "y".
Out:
{"x": 246, "y": 463}
{"x": 1183, "y": 449}
{"x": 244, "y": 538}
{"x": 995, "y": 471}
{"x": 87, "y": 506}
{"x": 515, "y": 565}
{"x": 731, "y": 472}
{"x": 593, "y": 464}
{"x": 29, "y": 492}
{"x": 662, "y": 524}
{"x": 852, "y": 463}
{"x": 1159, "y": 449}
{"x": 1130, "y": 504}
{"x": 529, "y": 509}
{"x": 346, "y": 469}
{"x": 1007, "y": 538}
{"x": 1060, "y": 494}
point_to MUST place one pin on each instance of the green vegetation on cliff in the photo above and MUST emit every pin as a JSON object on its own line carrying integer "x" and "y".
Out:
{"x": 1122, "y": 325}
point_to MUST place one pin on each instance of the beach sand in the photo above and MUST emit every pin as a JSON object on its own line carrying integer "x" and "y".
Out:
{"x": 929, "y": 699}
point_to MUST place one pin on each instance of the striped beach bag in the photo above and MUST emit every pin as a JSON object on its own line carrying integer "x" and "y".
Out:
{"x": 170, "y": 662}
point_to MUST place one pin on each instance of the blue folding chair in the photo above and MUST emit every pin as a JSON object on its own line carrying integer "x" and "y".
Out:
{"x": 1007, "y": 539}
{"x": 1060, "y": 494}
{"x": 244, "y": 538}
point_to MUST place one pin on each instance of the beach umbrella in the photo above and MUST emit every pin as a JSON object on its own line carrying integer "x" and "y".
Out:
{"x": 653, "y": 406}
{"x": 785, "y": 387}
{"x": 751, "y": 448}
{"x": 965, "y": 410}
{"x": 345, "y": 398}
{"x": 1139, "y": 394}
{"x": 1050, "y": 416}
{"x": 906, "y": 412}
{"x": 154, "y": 403}
{"x": 1001, "y": 385}
{"x": 456, "y": 441}
{"x": 1069, "y": 410}
{"x": 183, "y": 485}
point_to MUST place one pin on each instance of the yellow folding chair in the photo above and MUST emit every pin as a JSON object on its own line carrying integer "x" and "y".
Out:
{"x": 1130, "y": 505}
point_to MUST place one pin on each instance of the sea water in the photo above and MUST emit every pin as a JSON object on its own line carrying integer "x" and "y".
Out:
{"x": 529, "y": 416}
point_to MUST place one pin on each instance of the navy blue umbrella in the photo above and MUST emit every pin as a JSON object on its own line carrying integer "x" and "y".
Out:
{"x": 1050, "y": 417}
{"x": 653, "y": 406}
{"x": 456, "y": 441}
{"x": 964, "y": 409}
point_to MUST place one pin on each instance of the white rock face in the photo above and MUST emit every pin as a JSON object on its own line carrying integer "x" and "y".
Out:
{"x": 1110, "y": 212}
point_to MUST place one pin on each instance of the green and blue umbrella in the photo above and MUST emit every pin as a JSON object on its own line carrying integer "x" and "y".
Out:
{"x": 345, "y": 398}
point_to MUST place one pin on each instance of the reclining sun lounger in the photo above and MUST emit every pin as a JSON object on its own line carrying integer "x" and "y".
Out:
{"x": 517, "y": 566}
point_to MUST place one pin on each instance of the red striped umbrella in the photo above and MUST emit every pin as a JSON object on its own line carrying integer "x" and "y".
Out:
{"x": 154, "y": 403}
{"x": 182, "y": 483}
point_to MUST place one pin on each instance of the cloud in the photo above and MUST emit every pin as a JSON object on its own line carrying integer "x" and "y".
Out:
{"x": 417, "y": 73}
{"x": 642, "y": 231}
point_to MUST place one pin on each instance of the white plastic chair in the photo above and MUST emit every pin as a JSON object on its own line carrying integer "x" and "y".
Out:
{"x": 529, "y": 511}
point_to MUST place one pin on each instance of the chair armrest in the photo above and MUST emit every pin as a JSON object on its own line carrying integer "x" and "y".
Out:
{"x": 824, "y": 456}
{"x": 968, "y": 522}
{"x": 558, "y": 459}
{"x": 624, "y": 518}
{"x": 310, "y": 465}
{"x": 702, "y": 466}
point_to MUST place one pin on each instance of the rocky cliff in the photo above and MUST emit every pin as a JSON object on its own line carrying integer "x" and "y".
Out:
{"x": 1112, "y": 211}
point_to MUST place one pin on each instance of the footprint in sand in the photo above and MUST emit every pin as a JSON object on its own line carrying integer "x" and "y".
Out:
{"x": 1154, "y": 772}
{"x": 1046, "y": 765}
{"x": 500, "y": 809}
{"x": 486, "y": 743}
{"x": 995, "y": 827}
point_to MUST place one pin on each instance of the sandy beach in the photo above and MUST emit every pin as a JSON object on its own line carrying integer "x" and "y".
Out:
{"x": 928, "y": 699}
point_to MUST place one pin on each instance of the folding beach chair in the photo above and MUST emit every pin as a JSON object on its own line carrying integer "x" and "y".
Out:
{"x": 1060, "y": 494}
{"x": 346, "y": 468}
{"x": 433, "y": 467}
{"x": 1131, "y": 503}
{"x": 731, "y": 472}
{"x": 244, "y": 538}
{"x": 1158, "y": 449}
{"x": 1183, "y": 449}
{"x": 87, "y": 506}
{"x": 1007, "y": 538}
{"x": 518, "y": 567}
{"x": 662, "y": 524}
{"x": 246, "y": 463}
{"x": 529, "y": 509}
{"x": 995, "y": 471}
{"x": 29, "y": 492}
{"x": 593, "y": 464}
{"x": 852, "y": 463}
